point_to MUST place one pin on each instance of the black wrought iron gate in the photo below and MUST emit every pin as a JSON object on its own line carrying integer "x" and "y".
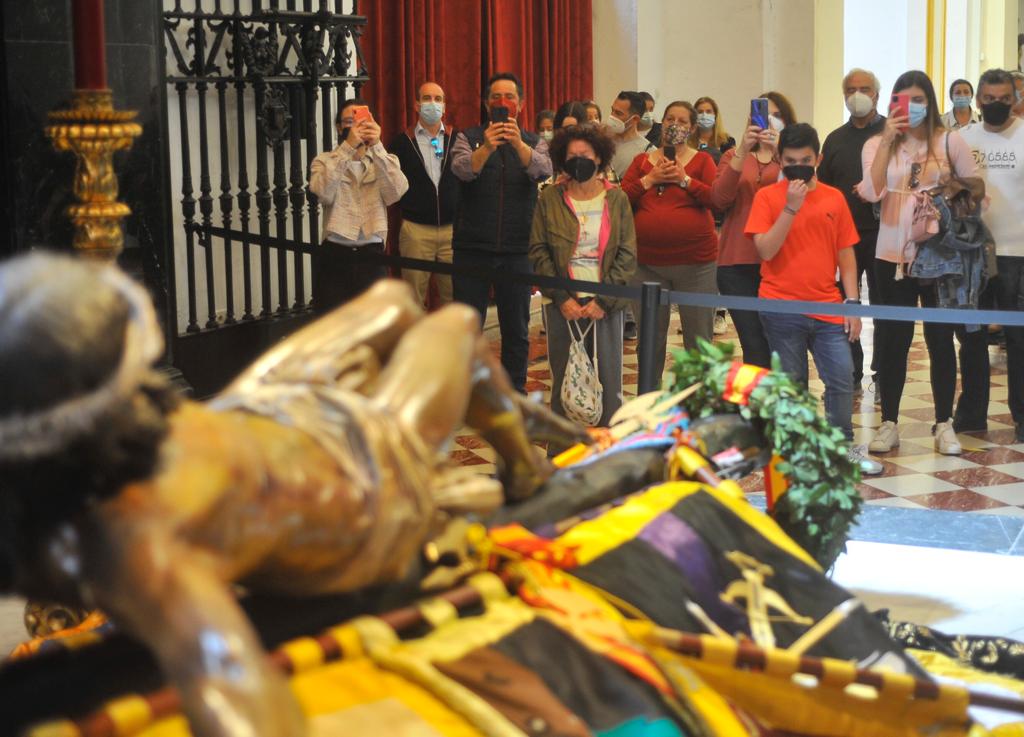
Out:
{"x": 276, "y": 69}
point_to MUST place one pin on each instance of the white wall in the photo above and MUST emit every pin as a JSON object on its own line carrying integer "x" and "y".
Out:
{"x": 875, "y": 39}
{"x": 732, "y": 50}
{"x": 615, "y": 49}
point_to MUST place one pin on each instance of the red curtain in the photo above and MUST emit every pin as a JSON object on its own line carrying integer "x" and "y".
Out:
{"x": 459, "y": 43}
{"x": 549, "y": 43}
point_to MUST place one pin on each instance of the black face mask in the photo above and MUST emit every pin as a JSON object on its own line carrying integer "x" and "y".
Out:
{"x": 581, "y": 168}
{"x": 995, "y": 113}
{"x": 798, "y": 171}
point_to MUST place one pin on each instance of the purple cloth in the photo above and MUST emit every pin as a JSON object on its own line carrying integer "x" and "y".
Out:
{"x": 681, "y": 544}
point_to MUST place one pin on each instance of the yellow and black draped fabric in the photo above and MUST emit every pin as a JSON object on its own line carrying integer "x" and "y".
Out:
{"x": 998, "y": 655}
{"x": 698, "y": 559}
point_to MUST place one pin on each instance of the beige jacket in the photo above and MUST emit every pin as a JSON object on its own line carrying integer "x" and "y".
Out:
{"x": 356, "y": 195}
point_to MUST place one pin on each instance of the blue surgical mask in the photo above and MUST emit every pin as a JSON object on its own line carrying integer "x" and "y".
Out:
{"x": 918, "y": 112}
{"x": 706, "y": 121}
{"x": 431, "y": 112}
{"x": 961, "y": 101}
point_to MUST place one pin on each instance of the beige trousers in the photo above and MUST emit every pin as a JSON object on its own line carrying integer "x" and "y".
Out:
{"x": 430, "y": 243}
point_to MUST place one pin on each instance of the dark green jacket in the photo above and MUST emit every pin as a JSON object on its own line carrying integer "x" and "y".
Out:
{"x": 555, "y": 233}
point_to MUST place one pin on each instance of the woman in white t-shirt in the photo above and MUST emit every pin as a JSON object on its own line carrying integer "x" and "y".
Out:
{"x": 583, "y": 229}
{"x": 906, "y": 159}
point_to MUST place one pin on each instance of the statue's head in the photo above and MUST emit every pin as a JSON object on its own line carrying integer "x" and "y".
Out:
{"x": 82, "y": 411}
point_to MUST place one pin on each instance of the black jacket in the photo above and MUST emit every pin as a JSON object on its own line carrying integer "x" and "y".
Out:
{"x": 841, "y": 167}
{"x": 423, "y": 203}
{"x": 496, "y": 209}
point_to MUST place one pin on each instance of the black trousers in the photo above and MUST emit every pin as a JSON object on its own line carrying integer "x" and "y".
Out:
{"x": 511, "y": 298}
{"x": 341, "y": 273}
{"x": 1009, "y": 294}
{"x": 894, "y": 348}
{"x": 865, "y": 253}
{"x": 743, "y": 280}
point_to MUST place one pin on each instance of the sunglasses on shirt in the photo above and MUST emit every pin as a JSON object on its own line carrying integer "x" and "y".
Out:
{"x": 438, "y": 147}
{"x": 915, "y": 175}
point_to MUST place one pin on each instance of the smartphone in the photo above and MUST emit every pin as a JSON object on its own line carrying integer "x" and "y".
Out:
{"x": 900, "y": 105}
{"x": 670, "y": 153}
{"x": 759, "y": 112}
{"x": 499, "y": 114}
{"x": 360, "y": 113}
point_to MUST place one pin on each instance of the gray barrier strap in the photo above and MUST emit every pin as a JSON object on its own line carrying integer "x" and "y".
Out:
{"x": 757, "y": 304}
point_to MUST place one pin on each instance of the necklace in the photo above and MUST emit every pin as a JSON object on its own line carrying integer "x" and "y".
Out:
{"x": 582, "y": 216}
{"x": 762, "y": 166}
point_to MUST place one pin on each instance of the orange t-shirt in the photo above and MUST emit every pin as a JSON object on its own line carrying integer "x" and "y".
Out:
{"x": 805, "y": 267}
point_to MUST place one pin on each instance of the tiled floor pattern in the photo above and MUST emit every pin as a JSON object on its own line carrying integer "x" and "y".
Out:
{"x": 988, "y": 478}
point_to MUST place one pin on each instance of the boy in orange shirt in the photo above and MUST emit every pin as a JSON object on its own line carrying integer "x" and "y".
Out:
{"x": 804, "y": 232}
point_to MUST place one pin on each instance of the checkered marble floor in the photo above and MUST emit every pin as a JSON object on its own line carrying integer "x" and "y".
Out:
{"x": 987, "y": 479}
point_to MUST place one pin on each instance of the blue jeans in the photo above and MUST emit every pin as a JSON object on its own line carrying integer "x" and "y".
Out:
{"x": 791, "y": 336}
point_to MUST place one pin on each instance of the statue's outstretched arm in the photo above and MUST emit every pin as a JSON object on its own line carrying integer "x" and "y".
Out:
{"x": 175, "y": 599}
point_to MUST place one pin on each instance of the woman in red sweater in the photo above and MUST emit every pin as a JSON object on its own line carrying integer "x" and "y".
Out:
{"x": 675, "y": 230}
{"x": 742, "y": 171}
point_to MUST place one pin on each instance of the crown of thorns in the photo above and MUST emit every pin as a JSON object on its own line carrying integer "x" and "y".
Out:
{"x": 25, "y": 436}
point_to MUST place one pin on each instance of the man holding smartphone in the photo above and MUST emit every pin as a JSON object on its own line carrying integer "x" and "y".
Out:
{"x": 499, "y": 166}
{"x": 355, "y": 184}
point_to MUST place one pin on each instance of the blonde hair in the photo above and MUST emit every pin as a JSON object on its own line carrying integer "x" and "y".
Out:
{"x": 718, "y": 135}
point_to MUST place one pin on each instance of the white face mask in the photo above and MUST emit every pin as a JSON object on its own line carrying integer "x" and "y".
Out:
{"x": 615, "y": 126}
{"x": 647, "y": 120}
{"x": 859, "y": 104}
{"x": 775, "y": 123}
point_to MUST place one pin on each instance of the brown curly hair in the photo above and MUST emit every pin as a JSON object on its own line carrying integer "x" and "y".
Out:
{"x": 603, "y": 145}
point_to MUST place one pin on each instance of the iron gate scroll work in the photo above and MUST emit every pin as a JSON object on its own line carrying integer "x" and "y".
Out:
{"x": 273, "y": 63}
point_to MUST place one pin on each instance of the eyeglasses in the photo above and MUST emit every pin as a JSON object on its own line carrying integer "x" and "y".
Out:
{"x": 438, "y": 147}
{"x": 915, "y": 174}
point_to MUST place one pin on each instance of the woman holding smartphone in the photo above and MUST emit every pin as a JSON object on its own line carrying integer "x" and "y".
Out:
{"x": 742, "y": 171}
{"x": 907, "y": 158}
{"x": 355, "y": 183}
{"x": 670, "y": 189}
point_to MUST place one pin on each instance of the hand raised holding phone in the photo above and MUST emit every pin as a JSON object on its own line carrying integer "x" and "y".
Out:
{"x": 899, "y": 117}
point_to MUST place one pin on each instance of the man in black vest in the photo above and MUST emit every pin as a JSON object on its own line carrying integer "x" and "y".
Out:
{"x": 499, "y": 166}
{"x": 428, "y": 206}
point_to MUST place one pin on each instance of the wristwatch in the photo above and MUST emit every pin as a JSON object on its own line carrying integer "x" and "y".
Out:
{"x": 790, "y": 210}
{"x": 851, "y": 301}
{"x": 685, "y": 184}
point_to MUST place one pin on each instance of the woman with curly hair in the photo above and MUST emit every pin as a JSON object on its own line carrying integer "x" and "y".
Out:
{"x": 583, "y": 229}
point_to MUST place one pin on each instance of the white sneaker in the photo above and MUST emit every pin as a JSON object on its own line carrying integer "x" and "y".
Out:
{"x": 887, "y": 438}
{"x": 720, "y": 325}
{"x": 867, "y": 466}
{"x": 945, "y": 439}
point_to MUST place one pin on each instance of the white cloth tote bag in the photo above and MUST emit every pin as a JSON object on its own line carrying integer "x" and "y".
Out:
{"x": 581, "y": 387}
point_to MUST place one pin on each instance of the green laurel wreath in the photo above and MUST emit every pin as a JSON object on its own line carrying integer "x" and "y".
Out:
{"x": 822, "y": 501}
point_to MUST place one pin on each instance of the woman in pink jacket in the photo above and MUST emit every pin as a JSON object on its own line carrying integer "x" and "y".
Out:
{"x": 906, "y": 159}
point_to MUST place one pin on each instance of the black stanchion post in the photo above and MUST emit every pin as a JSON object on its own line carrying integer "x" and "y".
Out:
{"x": 650, "y": 364}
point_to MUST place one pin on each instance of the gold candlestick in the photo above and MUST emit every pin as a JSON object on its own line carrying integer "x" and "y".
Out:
{"x": 93, "y": 130}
